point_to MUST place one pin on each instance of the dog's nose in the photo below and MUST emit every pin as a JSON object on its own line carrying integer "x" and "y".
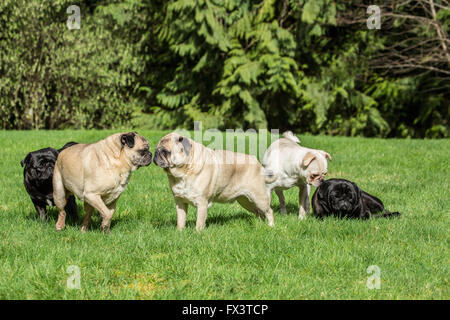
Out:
{"x": 156, "y": 156}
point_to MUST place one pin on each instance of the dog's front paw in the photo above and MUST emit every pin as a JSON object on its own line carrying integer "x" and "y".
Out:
{"x": 59, "y": 227}
{"x": 105, "y": 229}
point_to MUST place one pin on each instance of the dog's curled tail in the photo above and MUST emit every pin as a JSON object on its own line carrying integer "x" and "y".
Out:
{"x": 289, "y": 135}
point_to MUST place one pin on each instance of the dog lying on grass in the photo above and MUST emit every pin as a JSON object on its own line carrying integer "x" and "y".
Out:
{"x": 37, "y": 177}
{"x": 343, "y": 198}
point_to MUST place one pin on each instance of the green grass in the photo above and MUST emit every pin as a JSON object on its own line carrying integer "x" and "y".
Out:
{"x": 237, "y": 256}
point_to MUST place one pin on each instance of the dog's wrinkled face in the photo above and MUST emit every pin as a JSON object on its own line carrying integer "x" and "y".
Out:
{"x": 316, "y": 167}
{"x": 40, "y": 164}
{"x": 136, "y": 149}
{"x": 343, "y": 197}
{"x": 172, "y": 151}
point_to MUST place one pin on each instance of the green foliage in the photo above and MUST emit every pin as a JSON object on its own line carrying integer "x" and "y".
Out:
{"x": 287, "y": 64}
{"x": 229, "y": 56}
{"x": 53, "y": 77}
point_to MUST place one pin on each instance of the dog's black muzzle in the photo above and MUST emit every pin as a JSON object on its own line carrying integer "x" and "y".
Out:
{"x": 344, "y": 206}
{"x": 147, "y": 159}
{"x": 160, "y": 158}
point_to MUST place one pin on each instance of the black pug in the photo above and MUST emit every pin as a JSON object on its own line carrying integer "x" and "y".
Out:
{"x": 343, "y": 198}
{"x": 37, "y": 178}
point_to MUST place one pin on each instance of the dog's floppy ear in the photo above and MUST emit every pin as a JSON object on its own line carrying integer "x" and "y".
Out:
{"x": 325, "y": 154}
{"x": 308, "y": 158}
{"x": 320, "y": 200}
{"x": 186, "y": 144}
{"x": 127, "y": 139}
{"x": 322, "y": 191}
{"x": 25, "y": 161}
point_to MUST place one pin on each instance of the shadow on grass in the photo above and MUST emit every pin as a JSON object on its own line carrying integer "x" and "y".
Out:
{"x": 52, "y": 215}
{"x": 167, "y": 223}
{"x": 221, "y": 219}
{"x": 214, "y": 219}
{"x": 290, "y": 208}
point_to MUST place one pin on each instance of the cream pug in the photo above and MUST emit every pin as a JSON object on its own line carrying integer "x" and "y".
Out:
{"x": 199, "y": 176}
{"x": 287, "y": 164}
{"x": 97, "y": 174}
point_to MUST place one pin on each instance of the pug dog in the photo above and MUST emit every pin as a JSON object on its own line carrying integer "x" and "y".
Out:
{"x": 343, "y": 198}
{"x": 199, "y": 176}
{"x": 287, "y": 164}
{"x": 97, "y": 174}
{"x": 37, "y": 177}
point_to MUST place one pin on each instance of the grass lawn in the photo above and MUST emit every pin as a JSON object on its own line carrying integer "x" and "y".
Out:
{"x": 237, "y": 256}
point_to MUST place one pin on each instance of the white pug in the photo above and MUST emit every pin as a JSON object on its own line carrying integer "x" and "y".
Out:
{"x": 287, "y": 164}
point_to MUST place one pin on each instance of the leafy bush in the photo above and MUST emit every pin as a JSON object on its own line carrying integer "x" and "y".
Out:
{"x": 304, "y": 65}
{"x": 289, "y": 65}
{"x": 53, "y": 77}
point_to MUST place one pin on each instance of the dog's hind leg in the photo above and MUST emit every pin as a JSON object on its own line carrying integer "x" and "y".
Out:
{"x": 60, "y": 195}
{"x": 71, "y": 207}
{"x": 303, "y": 200}
{"x": 374, "y": 207}
{"x": 280, "y": 195}
{"x": 259, "y": 204}
{"x": 87, "y": 218}
{"x": 42, "y": 211}
{"x": 385, "y": 214}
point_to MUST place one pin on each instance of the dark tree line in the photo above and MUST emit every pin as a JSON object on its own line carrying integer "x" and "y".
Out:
{"x": 305, "y": 65}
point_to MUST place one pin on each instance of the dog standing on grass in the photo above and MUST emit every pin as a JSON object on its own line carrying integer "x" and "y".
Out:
{"x": 97, "y": 174}
{"x": 287, "y": 164}
{"x": 38, "y": 169}
{"x": 199, "y": 176}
